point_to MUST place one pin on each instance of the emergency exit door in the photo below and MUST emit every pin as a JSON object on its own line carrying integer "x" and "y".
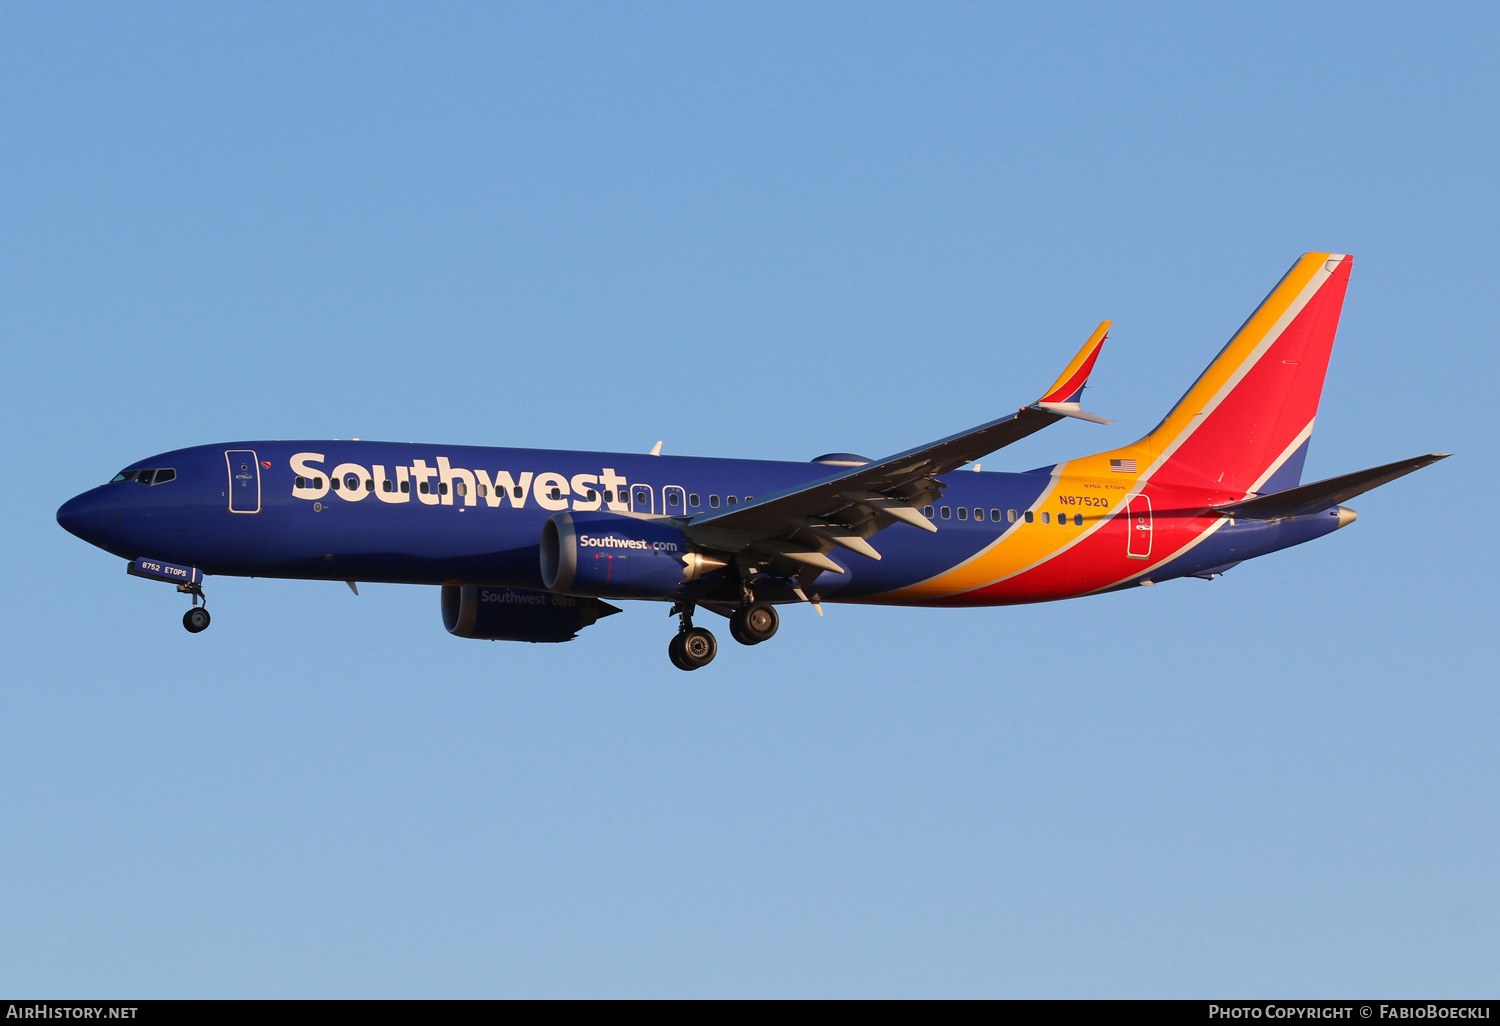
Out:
{"x": 244, "y": 481}
{"x": 642, "y": 499}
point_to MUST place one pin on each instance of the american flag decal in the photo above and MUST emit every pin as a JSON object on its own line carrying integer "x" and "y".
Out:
{"x": 1122, "y": 466}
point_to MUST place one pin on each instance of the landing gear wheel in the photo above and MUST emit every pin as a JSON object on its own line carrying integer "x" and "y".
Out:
{"x": 692, "y": 649}
{"x": 195, "y": 619}
{"x": 754, "y": 623}
{"x": 674, "y": 653}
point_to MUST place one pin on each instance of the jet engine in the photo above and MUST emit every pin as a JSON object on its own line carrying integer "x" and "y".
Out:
{"x": 618, "y": 556}
{"x": 517, "y": 614}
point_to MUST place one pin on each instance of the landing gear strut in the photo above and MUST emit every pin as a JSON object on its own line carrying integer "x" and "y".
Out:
{"x": 754, "y": 623}
{"x": 692, "y": 647}
{"x": 197, "y": 618}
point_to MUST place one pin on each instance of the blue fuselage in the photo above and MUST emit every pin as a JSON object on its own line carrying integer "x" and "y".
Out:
{"x": 423, "y": 514}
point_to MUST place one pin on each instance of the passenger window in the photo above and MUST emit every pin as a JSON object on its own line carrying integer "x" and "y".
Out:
{"x": 694, "y": 500}
{"x": 590, "y": 495}
{"x": 317, "y": 482}
{"x": 406, "y": 486}
{"x": 1030, "y": 517}
{"x": 641, "y": 498}
{"x": 713, "y": 500}
{"x": 729, "y": 499}
{"x": 963, "y": 512}
{"x": 423, "y": 488}
{"x": 370, "y": 484}
{"x": 555, "y": 493}
{"x": 460, "y": 488}
{"x": 978, "y": 513}
{"x": 443, "y": 488}
{"x": 995, "y": 515}
{"x": 386, "y": 486}
{"x": 945, "y": 512}
{"x": 927, "y": 512}
{"x": 301, "y": 483}
{"x": 334, "y": 484}
{"x": 483, "y": 490}
{"x": 351, "y": 482}
{"x": 672, "y": 498}
{"x": 1046, "y": 518}
{"x": 1077, "y": 519}
{"x": 1010, "y": 516}
{"x": 517, "y": 491}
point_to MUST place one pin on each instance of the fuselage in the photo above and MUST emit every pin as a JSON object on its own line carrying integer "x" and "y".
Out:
{"x": 414, "y": 513}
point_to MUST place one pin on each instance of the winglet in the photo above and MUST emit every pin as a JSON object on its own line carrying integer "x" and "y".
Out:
{"x": 1065, "y": 392}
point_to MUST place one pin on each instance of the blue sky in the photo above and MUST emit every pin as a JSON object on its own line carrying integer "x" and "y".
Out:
{"x": 765, "y": 230}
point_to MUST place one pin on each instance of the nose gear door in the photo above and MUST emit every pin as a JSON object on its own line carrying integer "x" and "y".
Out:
{"x": 244, "y": 481}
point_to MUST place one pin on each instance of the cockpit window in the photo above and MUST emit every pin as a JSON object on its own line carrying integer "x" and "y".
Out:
{"x": 151, "y": 475}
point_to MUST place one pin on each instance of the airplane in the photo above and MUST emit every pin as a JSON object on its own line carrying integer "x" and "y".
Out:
{"x": 535, "y": 544}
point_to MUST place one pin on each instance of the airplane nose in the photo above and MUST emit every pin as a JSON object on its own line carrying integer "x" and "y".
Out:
{"x": 82, "y": 516}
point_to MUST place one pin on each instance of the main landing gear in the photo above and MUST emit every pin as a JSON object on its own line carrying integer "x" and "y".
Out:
{"x": 694, "y": 647}
{"x": 752, "y": 624}
{"x": 197, "y": 618}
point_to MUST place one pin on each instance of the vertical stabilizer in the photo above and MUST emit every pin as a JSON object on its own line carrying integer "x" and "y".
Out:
{"x": 1244, "y": 425}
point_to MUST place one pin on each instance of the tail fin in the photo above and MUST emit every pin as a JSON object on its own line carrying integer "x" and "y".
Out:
{"x": 1244, "y": 425}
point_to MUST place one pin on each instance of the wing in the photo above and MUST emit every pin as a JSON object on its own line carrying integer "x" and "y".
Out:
{"x": 801, "y": 525}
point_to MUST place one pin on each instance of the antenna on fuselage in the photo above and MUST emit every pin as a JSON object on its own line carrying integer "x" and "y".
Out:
{"x": 656, "y": 449}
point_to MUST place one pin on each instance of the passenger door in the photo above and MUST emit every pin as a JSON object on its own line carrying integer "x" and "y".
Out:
{"x": 1138, "y": 528}
{"x": 244, "y": 480}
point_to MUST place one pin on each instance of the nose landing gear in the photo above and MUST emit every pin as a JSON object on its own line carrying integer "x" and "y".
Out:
{"x": 189, "y": 581}
{"x": 692, "y": 647}
{"x": 197, "y": 618}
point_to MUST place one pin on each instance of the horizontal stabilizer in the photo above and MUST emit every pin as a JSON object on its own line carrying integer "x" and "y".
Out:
{"x": 1320, "y": 495}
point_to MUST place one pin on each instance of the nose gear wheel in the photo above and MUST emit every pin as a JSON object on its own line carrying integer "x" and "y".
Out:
{"x": 196, "y": 619}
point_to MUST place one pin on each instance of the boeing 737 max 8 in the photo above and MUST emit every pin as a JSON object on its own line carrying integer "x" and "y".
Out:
{"x": 533, "y": 544}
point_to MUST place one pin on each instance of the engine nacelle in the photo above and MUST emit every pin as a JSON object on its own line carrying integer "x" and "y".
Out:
{"x": 618, "y": 556}
{"x": 517, "y": 614}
